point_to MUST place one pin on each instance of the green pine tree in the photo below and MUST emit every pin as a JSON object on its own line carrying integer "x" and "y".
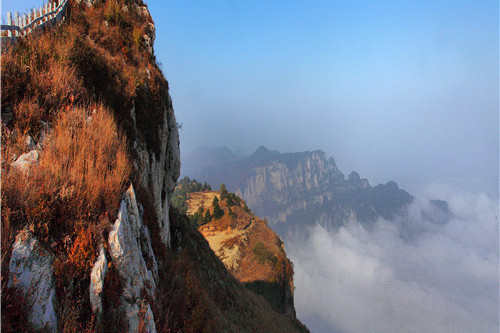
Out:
{"x": 224, "y": 192}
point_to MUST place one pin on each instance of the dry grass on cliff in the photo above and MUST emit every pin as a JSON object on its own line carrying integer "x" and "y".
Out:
{"x": 87, "y": 153}
{"x": 52, "y": 81}
{"x": 80, "y": 174}
{"x": 71, "y": 89}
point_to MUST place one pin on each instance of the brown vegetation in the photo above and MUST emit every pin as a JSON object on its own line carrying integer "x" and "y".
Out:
{"x": 250, "y": 250}
{"x": 80, "y": 175}
{"x": 199, "y": 295}
{"x": 70, "y": 89}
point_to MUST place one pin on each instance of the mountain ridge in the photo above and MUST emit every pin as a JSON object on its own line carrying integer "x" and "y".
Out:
{"x": 293, "y": 189}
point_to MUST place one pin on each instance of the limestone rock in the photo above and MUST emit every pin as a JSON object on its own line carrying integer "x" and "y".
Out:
{"x": 147, "y": 252}
{"x": 126, "y": 249}
{"x": 25, "y": 160}
{"x": 30, "y": 143}
{"x": 31, "y": 271}
{"x": 143, "y": 10}
{"x": 148, "y": 43}
{"x": 148, "y": 320}
{"x": 89, "y": 3}
{"x": 159, "y": 172}
{"x": 97, "y": 277}
{"x": 156, "y": 169}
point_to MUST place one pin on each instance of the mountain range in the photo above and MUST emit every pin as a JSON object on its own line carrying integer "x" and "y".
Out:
{"x": 292, "y": 190}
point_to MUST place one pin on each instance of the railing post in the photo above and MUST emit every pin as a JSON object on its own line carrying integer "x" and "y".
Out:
{"x": 18, "y": 23}
{"x": 9, "y": 22}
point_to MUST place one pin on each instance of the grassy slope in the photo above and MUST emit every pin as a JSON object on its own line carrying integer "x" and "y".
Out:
{"x": 250, "y": 250}
{"x": 201, "y": 295}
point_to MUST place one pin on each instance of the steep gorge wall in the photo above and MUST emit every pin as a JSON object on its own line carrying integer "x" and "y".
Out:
{"x": 292, "y": 192}
{"x": 283, "y": 183}
{"x": 157, "y": 172}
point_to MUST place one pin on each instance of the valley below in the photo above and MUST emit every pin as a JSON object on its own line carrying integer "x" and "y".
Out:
{"x": 369, "y": 258}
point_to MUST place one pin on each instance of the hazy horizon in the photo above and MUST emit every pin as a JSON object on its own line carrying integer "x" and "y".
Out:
{"x": 404, "y": 91}
{"x": 396, "y": 91}
{"x": 469, "y": 184}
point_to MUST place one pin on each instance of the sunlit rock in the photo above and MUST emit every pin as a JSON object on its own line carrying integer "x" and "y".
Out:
{"x": 32, "y": 273}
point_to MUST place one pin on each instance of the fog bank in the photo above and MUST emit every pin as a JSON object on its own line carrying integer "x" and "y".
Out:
{"x": 416, "y": 274}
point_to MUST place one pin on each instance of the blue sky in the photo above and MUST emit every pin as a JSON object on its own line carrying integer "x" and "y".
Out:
{"x": 398, "y": 90}
{"x": 403, "y": 90}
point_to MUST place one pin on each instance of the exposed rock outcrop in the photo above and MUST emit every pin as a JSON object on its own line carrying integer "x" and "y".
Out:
{"x": 97, "y": 277}
{"x": 25, "y": 160}
{"x": 127, "y": 251}
{"x": 157, "y": 160}
{"x": 158, "y": 173}
{"x": 32, "y": 273}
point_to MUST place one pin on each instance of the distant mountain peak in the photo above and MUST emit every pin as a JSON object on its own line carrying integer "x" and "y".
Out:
{"x": 263, "y": 153}
{"x": 261, "y": 149}
{"x": 354, "y": 177}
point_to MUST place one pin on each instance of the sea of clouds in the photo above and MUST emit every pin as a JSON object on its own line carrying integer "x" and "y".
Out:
{"x": 420, "y": 273}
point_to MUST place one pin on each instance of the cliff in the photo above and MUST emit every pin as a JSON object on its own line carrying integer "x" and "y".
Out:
{"x": 90, "y": 157}
{"x": 249, "y": 249}
{"x": 294, "y": 189}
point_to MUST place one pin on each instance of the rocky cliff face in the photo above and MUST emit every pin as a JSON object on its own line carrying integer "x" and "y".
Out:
{"x": 130, "y": 251}
{"x": 298, "y": 188}
{"x": 132, "y": 254}
{"x": 32, "y": 273}
{"x": 157, "y": 172}
{"x": 86, "y": 125}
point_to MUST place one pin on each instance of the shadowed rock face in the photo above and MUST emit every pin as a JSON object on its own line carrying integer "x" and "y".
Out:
{"x": 296, "y": 188}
